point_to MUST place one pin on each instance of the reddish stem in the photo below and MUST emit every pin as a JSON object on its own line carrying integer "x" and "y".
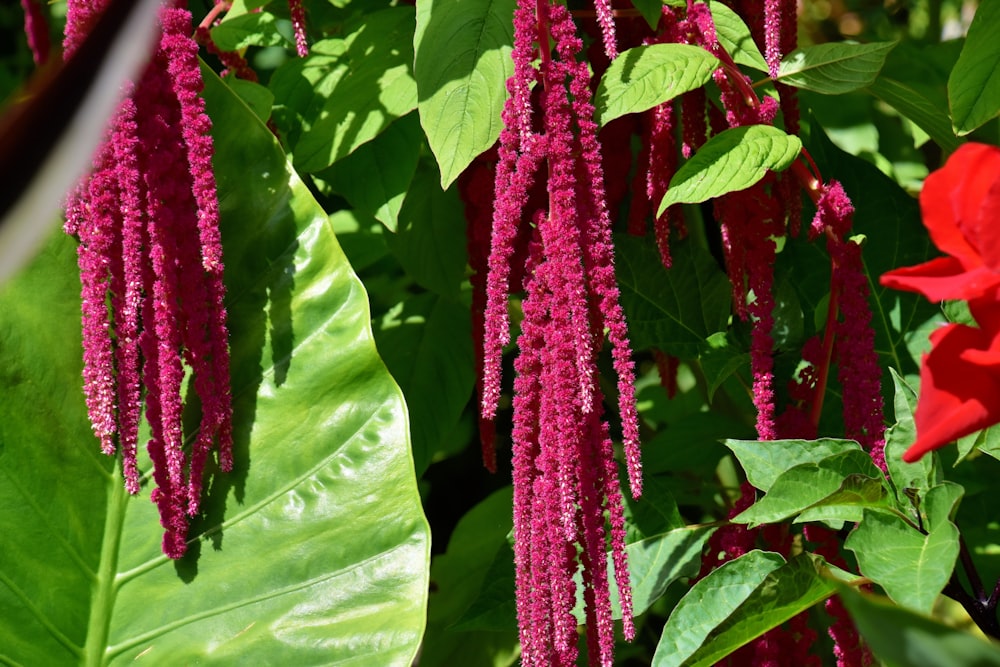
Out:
{"x": 214, "y": 14}
{"x": 823, "y": 374}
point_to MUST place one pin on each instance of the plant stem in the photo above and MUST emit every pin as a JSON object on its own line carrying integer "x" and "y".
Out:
{"x": 105, "y": 588}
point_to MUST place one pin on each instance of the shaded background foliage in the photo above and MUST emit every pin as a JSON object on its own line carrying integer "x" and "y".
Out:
{"x": 404, "y": 236}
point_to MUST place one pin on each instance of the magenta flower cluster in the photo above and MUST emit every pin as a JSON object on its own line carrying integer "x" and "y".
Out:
{"x": 150, "y": 257}
{"x": 565, "y": 475}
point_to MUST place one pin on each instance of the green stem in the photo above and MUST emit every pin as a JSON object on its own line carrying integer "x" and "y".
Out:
{"x": 105, "y": 588}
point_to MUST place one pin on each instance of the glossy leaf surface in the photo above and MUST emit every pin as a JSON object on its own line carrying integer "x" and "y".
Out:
{"x": 834, "y": 68}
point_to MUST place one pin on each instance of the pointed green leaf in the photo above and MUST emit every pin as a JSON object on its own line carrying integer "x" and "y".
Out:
{"x": 791, "y": 589}
{"x": 765, "y": 461}
{"x": 257, "y": 97}
{"x": 387, "y": 164}
{"x": 940, "y": 504}
{"x": 671, "y": 310}
{"x": 974, "y": 83}
{"x": 834, "y": 68}
{"x": 847, "y": 481}
{"x": 901, "y": 637}
{"x": 646, "y": 76}
{"x": 462, "y": 65}
{"x": 928, "y": 116}
{"x": 730, "y": 161}
{"x": 651, "y": 10}
{"x": 912, "y": 567}
{"x": 720, "y": 357}
{"x": 252, "y": 29}
{"x": 899, "y": 437}
{"x": 734, "y": 36}
{"x": 709, "y": 603}
{"x": 313, "y": 550}
{"x": 348, "y": 90}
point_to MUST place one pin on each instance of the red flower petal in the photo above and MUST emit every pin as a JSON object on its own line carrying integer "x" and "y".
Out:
{"x": 957, "y": 395}
{"x": 943, "y": 278}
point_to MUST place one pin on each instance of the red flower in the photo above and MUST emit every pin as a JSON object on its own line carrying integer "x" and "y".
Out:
{"x": 960, "y": 377}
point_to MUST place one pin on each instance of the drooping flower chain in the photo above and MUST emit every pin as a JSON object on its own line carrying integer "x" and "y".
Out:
{"x": 150, "y": 260}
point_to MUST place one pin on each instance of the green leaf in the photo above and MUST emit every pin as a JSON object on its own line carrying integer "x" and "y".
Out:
{"x": 430, "y": 239}
{"x": 765, "y": 461}
{"x": 940, "y": 504}
{"x": 899, "y": 437}
{"x": 734, "y": 36}
{"x": 476, "y": 557}
{"x": 786, "y": 592}
{"x": 721, "y": 357}
{"x": 974, "y": 83}
{"x": 348, "y": 90}
{"x": 653, "y": 514}
{"x": 462, "y": 65}
{"x": 902, "y": 637}
{"x": 426, "y": 344}
{"x": 257, "y": 97}
{"x": 841, "y": 485}
{"x": 646, "y": 76}
{"x": 732, "y": 160}
{"x": 912, "y": 567}
{"x": 709, "y": 603}
{"x": 671, "y": 310}
{"x": 651, "y": 10}
{"x": 387, "y": 163}
{"x": 915, "y": 106}
{"x": 253, "y": 29}
{"x": 494, "y": 607}
{"x": 313, "y": 550}
{"x": 834, "y": 68}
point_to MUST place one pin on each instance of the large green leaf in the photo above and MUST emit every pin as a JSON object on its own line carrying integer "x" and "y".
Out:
{"x": 912, "y": 567}
{"x": 709, "y": 603}
{"x": 901, "y": 637}
{"x": 313, "y": 550}
{"x": 765, "y": 461}
{"x": 252, "y": 29}
{"x": 974, "y": 84}
{"x": 646, "y": 76}
{"x": 915, "y": 106}
{"x": 734, "y": 36}
{"x": 791, "y": 589}
{"x": 462, "y": 63}
{"x": 834, "y": 68}
{"x": 348, "y": 90}
{"x": 730, "y": 161}
{"x": 671, "y": 310}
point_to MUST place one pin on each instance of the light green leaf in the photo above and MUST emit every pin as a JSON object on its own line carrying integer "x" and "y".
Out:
{"x": 348, "y": 90}
{"x": 732, "y": 160}
{"x": 940, "y": 504}
{"x": 899, "y": 437}
{"x": 313, "y": 550}
{"x": 840, "y": 484}
{"x": 257, "y": 97}
{"x": 912, "y": 567}
{"x": 709, "y": 603}
{"x": 462, "y": 65}
{"x": 426, "y": 344}
{"x": 375, "y": 177}
{"x": 252, "y": 29}
{"x": 734, "y": 36}
{"x": 974, "y": 83}
{"x": 834, "y": 68}
{"x": 928, "y": 116}
{"x": 902, "y": 637}
{"x": 646, "y": 76}
{"x": 765, "y": 461}
{"x": 786, "y": 592}
{"x": 671, "y": 310}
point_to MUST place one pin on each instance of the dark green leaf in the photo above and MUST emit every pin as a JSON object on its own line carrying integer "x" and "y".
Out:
{"x": 252, "y": 29}
{"x": 646, "y": 76}
{"x": 734, "y": 36}
{"x": 730, "y": 161}
{"x": 671, "y": 310}
{"x": 427, "y": 345}
{"x": 765, "y": 461}
{"x": 835, "y": 67}
{"x": 651, "y": 10}
{"x": 462, "y": 65}
{"x": 928, "y": 116}
{"x": 719, "y": 359}
{"x": 709, "y": 603}
{"x": 257, "y": 97}
{"x": 375, "y": 177}
{"x": 313, "y": 550}
{"x": 974, "y": 84}
{"x": 348, "y": 90}
{"x": 910, "y": 566}
{"x": 901, "y": 637}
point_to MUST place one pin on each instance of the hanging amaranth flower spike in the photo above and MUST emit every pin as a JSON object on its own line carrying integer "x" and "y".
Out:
{"x": 150, "y": 259}
{"x": 565, "y": 475}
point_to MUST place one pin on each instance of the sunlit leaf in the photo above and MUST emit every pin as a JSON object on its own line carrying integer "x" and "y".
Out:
{"x": 765, "y": 461}
{"x": 835, "y": 67}
{"x": 974, "y": 84}
{"x": 734, "y": 36}
{"x": 314, "y": 549}
{"x": 251, "y": 29}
